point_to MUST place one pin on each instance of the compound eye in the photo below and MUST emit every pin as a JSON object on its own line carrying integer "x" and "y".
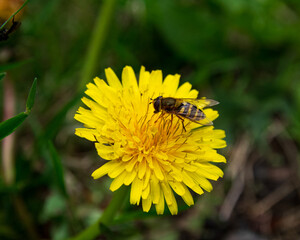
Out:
{"x": 156, "y": 105}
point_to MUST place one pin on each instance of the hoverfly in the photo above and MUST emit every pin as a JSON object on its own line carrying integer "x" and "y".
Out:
{"x": 184, "y": 108}
{"x": 4, "y": 33}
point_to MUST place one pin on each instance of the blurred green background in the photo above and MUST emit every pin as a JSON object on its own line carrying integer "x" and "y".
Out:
{"x": 245, "y": 54}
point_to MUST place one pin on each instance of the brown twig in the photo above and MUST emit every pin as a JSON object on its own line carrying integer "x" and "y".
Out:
{"x": 270, "y": 200}
{"x": 232, "y": 197}
{"x": 236, "y": 170}
{"x": 239, "y": 156}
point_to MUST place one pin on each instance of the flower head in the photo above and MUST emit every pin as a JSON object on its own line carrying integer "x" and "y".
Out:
{"x": 157, "y": 155}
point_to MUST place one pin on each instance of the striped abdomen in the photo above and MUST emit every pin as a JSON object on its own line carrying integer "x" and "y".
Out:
{"x": 190, "y": 111}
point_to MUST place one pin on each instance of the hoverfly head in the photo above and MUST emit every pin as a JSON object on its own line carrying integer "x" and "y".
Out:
{"x": 157, "y": 104}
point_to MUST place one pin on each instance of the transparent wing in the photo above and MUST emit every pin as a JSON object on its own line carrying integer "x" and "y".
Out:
{"x": 201, "y": 103}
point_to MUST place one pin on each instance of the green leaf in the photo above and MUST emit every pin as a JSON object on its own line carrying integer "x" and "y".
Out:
{"x": 10, "y": 125}
{"x": 31, "y": 96}
{"x": 2, "y": 75}
{"x": 58, "y": 168}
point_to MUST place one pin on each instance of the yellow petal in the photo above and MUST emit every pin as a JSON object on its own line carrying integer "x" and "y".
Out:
{"x": 212, "y": 156}
{"x": 130, "y": 177}
{"x": 95, "y": 93}
{"x": 170, "y": 85}
{"x": 173, "y": 207}
{"x": 144, "y": 80}
{"x": 189, "y": 167}
{"x": 210, "y": 114}
{"x": 160, "y": 206}
{"x": 150, "y": 161}
{"x": 112, "y": 79}
{"x": 126, "y": 158}
{"x": 167, "y": 192}
{"x": 96, "y": 109}
{"x": 104, "y": 169}
{"x": 157, "y": 170}
{"x": 88, "y": 118}
{"x": 106, "y": 152}
{"x": 217, "y": 133}
{"x": 147, "y": 204}
{"x": 217, "y": 144}
{"x": 118, "y": 182}
{"x": 147, "y": 177}
{"x": 89, "y": 134}
{"x": 170, "y": 199}
{"x": 155, "y": 189}
{"x": 209, "y": 171}
{"x": 155, "y": 85}
{"x": 204, "y": 183}
{"x": 187, "y": 197}
{"x": 108, "y": 93}
{"x": 176, "y": 173}
{"x": 130, "y": 165}
{"x": 117, "y": 171}
{"x": 188, "y": 180}
{"x": 142, "y": 169}
{"x": 136, "y": 191}
{"x": 197, "y": 189}
{"x": 146, "y": 192}
{"x": 129, "y": 81}
{"x": 183, "y": 90}
{"x": 177, "y": 187}
{"x": 192, "y": 94}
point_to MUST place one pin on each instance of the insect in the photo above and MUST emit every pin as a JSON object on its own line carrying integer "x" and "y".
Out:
{"x": 184, "y": 108}
{"x": 4, "y": 33}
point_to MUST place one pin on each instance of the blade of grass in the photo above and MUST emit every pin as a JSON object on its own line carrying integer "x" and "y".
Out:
{"x": 58, "y": 168}
{"x": 31, "y": 97}
{"x": 10, "y": 125}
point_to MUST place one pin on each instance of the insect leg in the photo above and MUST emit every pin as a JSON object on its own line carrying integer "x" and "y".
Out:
{"x": 96, "y": 140}
{"x": 160, "y": 116}
{"x": 182, "y": 121}
{"x": 170, "y": 125}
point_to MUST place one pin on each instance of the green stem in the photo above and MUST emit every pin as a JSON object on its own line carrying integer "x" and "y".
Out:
{"x": 96, "y": 42}
{"x": 107, "y": 217}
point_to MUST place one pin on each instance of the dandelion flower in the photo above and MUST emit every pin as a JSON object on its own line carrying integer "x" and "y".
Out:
{"x": 155, "y": 155}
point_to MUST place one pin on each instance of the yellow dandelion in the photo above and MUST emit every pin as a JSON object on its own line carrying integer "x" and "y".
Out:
{"x": 157, "y": 155}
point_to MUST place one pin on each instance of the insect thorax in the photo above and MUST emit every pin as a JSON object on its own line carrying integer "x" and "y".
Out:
{"x": 168, "y": 104}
